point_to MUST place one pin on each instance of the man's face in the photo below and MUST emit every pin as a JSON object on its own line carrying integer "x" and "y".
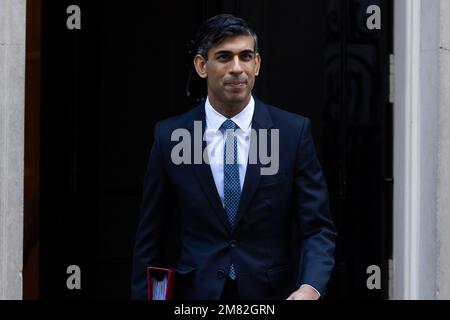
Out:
{"x": 230, "y": 70}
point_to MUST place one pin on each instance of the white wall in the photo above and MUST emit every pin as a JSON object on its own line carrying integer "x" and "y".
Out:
{"x": 428, "y": 117}
{"x": 443, "y": 185}
{"x": 12, "y": 82}
{"x": 421, "y": 150}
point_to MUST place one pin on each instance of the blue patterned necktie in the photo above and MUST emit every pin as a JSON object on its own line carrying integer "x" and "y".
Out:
{"x": 231, "y": 183}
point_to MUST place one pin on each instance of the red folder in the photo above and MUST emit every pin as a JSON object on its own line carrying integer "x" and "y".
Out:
{"x": 160, "y": 283}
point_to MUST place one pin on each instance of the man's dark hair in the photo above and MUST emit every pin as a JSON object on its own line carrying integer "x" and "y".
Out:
{"x": 214, "y": 30}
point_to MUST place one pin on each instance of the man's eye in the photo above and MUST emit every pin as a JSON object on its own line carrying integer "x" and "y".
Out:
{"x": 222, "y": 57}
{"x": 247, "y": 56}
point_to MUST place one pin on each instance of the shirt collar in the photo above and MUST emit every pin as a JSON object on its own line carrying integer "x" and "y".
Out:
{"x": 243, "y": 119}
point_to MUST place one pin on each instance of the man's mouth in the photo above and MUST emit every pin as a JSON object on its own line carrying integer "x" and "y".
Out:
{"x": 236, "y": 84}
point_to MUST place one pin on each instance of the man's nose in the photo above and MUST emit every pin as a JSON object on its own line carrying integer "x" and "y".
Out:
{"x": 236, "y": 65}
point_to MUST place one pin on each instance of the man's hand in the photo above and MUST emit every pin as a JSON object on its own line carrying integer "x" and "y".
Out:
{"x": 305, "y": 292}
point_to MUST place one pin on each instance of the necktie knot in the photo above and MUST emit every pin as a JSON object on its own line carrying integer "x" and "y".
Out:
{"x": 228, "y": 125}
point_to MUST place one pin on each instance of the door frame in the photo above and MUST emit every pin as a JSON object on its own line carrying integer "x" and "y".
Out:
{"x": 416, "y": 35}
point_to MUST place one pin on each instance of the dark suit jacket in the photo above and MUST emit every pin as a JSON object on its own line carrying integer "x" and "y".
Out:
{"x": 260, "y": 243}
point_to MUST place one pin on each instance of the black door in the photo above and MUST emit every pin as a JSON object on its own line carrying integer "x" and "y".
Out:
{"x": 106, "y": 85}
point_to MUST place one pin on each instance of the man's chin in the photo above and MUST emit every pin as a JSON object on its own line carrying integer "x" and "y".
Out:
{"x": 238, "y": 98}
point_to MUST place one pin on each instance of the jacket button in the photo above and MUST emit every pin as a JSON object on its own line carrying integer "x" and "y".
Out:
{"x": 220, "y": 274}
{"x": 233, "y": 243}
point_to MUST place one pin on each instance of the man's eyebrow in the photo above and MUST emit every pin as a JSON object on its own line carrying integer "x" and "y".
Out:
{"x": 229, "y": 52}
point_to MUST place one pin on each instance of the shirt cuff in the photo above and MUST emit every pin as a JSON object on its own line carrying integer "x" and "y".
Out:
{"x": 303, "y": 285}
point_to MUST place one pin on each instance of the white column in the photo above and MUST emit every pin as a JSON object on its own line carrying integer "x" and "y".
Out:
{"x": 416, "y": 134}
{"x": 443, "y": 189}
{"x": 422, "y": 150}
{"x": 12, "y": 84}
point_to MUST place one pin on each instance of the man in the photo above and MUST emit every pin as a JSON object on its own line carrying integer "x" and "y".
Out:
{"x": 235, "y": 220}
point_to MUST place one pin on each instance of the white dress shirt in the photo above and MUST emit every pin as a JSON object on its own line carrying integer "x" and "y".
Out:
{"x": 215, "y": 141}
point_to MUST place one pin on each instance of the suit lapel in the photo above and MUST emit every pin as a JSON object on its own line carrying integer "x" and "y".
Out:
{"x": 206, "y": 179}
{"x": 204, "y": 174}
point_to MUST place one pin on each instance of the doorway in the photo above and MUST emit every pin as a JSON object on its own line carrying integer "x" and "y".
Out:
{"x": 106, "y": 85}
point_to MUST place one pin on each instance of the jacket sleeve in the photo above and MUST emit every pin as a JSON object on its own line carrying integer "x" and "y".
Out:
{"x": 316, "y": 227}
{"x": 153, "y": 217}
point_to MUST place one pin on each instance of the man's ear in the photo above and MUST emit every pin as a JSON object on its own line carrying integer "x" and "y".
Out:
{"x": 257, "y": 64}
{"x": 200, "y": 66}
